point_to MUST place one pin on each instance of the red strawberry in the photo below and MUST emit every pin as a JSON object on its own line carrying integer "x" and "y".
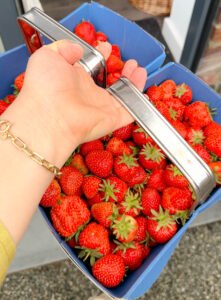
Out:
{"x": 164, "y": 110}
{"x": 69, "y": 214}
{"x": 96, "y": 199}
{"x": 175, "y": 199}
{"x": 134, "y": 149}
{"x": 3, "y": 106}
{"x": 113, "y": 77}
{"x": 113, "y": 189}
{"x": 138, "y": 177}
{"x": 116, "y": 51}
{"x": 180, "y": 127}
{"x": 109, "y": 270}
{"x": 161, "y": 227}
{"x": 202, "y": 152}
{"x": 173, "y": 177}
{"x": 184, "y": 93}
{"x": 70, "y": 180}
{"x": 125, "y": 228}
{"x": 195, "y": 136}
{"x": 94, "y": 236}
{"x": 91, "y": 146}
{"x": 131, "y": 205}
{"x": 213, "y": 144}
{"x": 140, "y": 137}
{"x": 156, "y": 180}
{"x": 117, "y": 147}
{"x": 176, "y": 108}
{"x": 100, "y": 163}
{"x": 151, "y": 157}
{"x": 100, "y": 36}
{"x": 90, "y": 186}
{"x": 212, "y": 128}
{"x": 102, "y": 213}
{"x": 197, "y": 114}
{"x": 124, "y": 133}
{"x": 123, "y": 166}
{"x": 142, "y": 229}
{"x": 18, "y": 82}
{"x": 114, "y": 64}
{"x": 132, "y": 254}
{"x": 216, "y": 168}
{"x": 150, "y": 200}
{"x": 51, "y": 195}
{"x": 86, "y": 31}
{"x": 71, "y": 243}
{"x": 146, "y": 251}
{"x": 155, "y": 93}
{"x": 78, "y": 163}
{"x": 169, "y": 88}
{"x": 10, "y": 98}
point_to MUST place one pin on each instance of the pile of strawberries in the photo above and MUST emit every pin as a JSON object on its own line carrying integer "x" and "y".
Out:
{"x": 119, "y": 196}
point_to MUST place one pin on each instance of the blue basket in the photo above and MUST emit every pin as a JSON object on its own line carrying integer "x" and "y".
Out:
{"x": 151, "y": 55}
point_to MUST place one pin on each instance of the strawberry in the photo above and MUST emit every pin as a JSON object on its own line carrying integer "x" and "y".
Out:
{"x": 10, "y": 98}
{"x": 197, "y": 114}
{"x": 69, "y": 214}
{"x": 90, "y": 186}
{"x": 169, "y": 88}
{"x": 71, "y": 243}
{"x": 155, "y": 93}
{"x": 132, "y": 254}
{"x": 150, "y": 200}
{"x": 96, "y": 199}
{"x": 91, "y": 146}
{"x": 202, "y": 152}
{"x": 151, "y": 157}
{"x": 86, "y": 31}
{"x": 100, "y": 162}
{"x": 145, "y": 250}
{"x": 216, "y": 168}
{"x": 164, "y": 110}
{"x": 176, "y": 199}
{"x": 213, "y": 144}
{"x": 100, "y": 36}
{"x": 78, "y": 162}
{"x": 117, "y": 147}
{"x": 51, "y": 195}
{"x": 184, "y": 93}
{"x": 94, "y": 236}
{"x": 70, "y": 180}
{"x": 138, "y": 178}
{"x": 142, "y": 229}
{"x": 140, "y": 137}
{"x": 125, "y": 228}
{"x": 156, "y": 180}
{"x": 116, "y": 51}
{"x": 102, "y": 213}
{"x": 176, "y": 108}
{"x": 124, "y": 133}
{"x": 114, "y": 64}
{"x": 113, "y": 77}
{"x": 195, "y": 136}
{"x": 18, "y": 82}
{"x": 173, "y": 177}
{"x": 109, "y": 270}
{"x": 180, "y": 127}
{"x": 161, "y": 227}
{"x": 113, "y": 189}
{"x": 131, "y": 205}
{"x": 134, "y": 149}
{"x": 3, "y": 106}
{"x": 212, "y": 128}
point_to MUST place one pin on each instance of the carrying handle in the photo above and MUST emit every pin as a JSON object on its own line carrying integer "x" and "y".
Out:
{"x": 174, "y": 146}
{"x": 35, "y": 23}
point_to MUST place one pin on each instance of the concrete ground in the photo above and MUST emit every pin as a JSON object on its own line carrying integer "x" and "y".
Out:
{"x": 193, "y": 273}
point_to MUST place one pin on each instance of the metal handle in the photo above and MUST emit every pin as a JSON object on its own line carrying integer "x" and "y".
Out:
{"x": 36, "y": 21}
{"x": 175, "y": 147}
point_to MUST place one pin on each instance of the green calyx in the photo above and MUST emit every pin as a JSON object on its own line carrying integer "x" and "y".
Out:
{"x": 86, "y": 253}
{"x": 124, "y": 246}
{"x": 132, "y": 201}
{"x": 198, "y": 137}
{"x": 109, "y": 190}
{"x": 135, "y": 150}
{"x": 76, "y": 233}
{"x": 128, "y": 160}
{"x": 214, "y": 157}
{"x": 163, "y": 218}
{"x": 139, "y": 187}
{"x": 181, "y": 216}
{"x": 173, "y": 114}
{"x": 192, "y": 191}
{"x": 68, "y": 162}
{"x": 123, "y": 226}
{"x": 16, "y": 91}
{"x": 152, "y": 152}
{"x": 141, "y": 130}
{"x": 175, "y": 170}
{"x": 115, "y": 214}
{"x": 180, "y": 90}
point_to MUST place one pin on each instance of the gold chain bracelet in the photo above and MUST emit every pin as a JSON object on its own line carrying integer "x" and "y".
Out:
{"x": 20, "y": 145}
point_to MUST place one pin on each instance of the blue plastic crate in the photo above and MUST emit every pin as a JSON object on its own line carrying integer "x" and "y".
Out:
{"x": 135, "y": 43}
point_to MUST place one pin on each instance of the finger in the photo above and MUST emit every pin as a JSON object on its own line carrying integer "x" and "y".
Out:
{"x": 129, "y": 68}
{"x": 70, "y": 51}
{"x": 139, "y": 77}
{"x": 105, "y": 49}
